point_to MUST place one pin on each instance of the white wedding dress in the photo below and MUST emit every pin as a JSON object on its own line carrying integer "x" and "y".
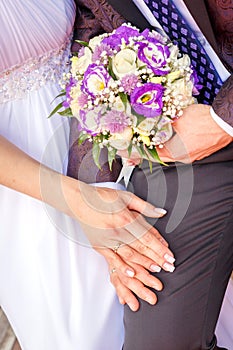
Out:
{"x": 54, "y": 288}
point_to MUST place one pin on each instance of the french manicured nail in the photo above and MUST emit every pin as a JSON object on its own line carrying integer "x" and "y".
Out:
{"x": 168, "y": 267}
{"x": 155, "y": 268}
{"x": 130, "y": 273}
{"x": 160, "y": 212}
{"x": 169, "y": 258}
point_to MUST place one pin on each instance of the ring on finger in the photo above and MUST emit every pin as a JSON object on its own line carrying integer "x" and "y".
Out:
{"x": 115, "y": 249}
{"x": 113, "y": 270}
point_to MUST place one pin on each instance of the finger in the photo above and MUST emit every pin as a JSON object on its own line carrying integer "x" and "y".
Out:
{"x": 130, "y": 255}
{"x": 137, "y": 204}
{"x": 138, "y": 288}
{"x": 116, "y": 261}
{"x": 147, "y": 278}
{"x": 148, "y": 245}
{"x": 124, "y": 294}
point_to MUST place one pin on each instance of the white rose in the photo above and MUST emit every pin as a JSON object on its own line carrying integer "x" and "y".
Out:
{"x": 120, "y": 106}
{"x": 182, "y": 91}
{"x": 124, "y": 62}
{"x": 74, "y": 105}
{"x": 174, "y": 51}
{"x": 184, "y": 61}
{"x": 80, "y": 64}
{"x": 96, "y": 41}
{"x": 121, "y": 140}
{"x": 144, "y": 128}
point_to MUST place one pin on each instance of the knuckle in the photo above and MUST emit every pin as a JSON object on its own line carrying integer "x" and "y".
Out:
{"x": 128, "y": 254}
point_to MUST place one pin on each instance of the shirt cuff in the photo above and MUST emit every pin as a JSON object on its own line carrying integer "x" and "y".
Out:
{"x": 225, "y": 126}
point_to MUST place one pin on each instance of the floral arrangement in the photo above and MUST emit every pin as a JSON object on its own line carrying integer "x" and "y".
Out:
{"x": 125, "y": 88}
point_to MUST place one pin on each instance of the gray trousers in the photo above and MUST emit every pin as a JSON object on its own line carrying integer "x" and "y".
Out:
{"x": 199, "y": 229}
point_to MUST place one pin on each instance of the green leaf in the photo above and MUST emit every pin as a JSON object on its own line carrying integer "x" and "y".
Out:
{"x": 67, "y": 113}
{"x": 63, "y": 93}
{"x": 110, "y": 70}
{"x": 82, "y": 137}
{"x": 111, "y": 157}
{"x": 130, "y": 149}
{"x": 140, "y": 117}
{"x": 141, "y": 151}
{"x": 96, "y": 154}
{"x": 154, "y": 154}
{"x": 124, "y": 98}
{"x": 84, "y": 43}
{"x": 56, "y": 109}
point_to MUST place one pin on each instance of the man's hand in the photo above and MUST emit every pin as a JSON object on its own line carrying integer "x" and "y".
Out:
{"x": 197, "y": 136}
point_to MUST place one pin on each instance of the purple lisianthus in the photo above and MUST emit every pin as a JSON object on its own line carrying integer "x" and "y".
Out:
{"x": 123, "y": 32}
{"x": 66, "y": 103}
{"x": 95, "y": 80}
{"x": 155, "y": 55}
{"x": 90, "y": 121}
{"x": 115, "y": 121}
{"x": 147, "y": 100}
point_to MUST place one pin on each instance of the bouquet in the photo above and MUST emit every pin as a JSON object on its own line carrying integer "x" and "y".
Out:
{"x": 126, "y": 88}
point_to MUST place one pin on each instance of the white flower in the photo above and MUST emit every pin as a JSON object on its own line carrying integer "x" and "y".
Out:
{"x": 184, "y": 62}
{"x": 120, "y": 106}
{"x": 181, "y": 90}
{"x": 80, "y": 64}
{"x": 96, "y": 41}
{"x": 144, "y": 128}
{"x": 124, "y": 62}
{"x": 121, "y": 140}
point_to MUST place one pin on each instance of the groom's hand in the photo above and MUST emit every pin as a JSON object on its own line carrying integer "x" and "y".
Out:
{"x": 197, "y": 136}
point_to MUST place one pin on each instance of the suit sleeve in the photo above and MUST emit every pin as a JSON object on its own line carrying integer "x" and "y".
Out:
{"x": 222, "y": 107}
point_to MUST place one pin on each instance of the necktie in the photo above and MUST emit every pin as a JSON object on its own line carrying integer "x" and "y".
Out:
{"x": 181, "y": 34}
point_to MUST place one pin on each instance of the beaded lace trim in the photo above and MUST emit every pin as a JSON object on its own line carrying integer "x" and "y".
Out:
{"x": 18, "y": 81}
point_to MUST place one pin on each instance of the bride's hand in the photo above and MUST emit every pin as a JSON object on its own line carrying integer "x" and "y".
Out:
{"x": 112, "y": 218}
{"x": 129, "y": 288}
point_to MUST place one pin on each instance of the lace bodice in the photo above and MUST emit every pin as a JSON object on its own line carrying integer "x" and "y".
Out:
{"x": 34, "y": 43}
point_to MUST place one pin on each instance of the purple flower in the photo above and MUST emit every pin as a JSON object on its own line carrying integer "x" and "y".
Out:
{"x": 123, "y": 32}
{"x": 82, "y": 100}
{"x": 196, "y": 85}
{"x": 129, "y": 82}
{"x": 147, "y": 100}
{"x": 66, "y": 103}
{"x": 98, "y": 51}
{"x": 116, "y": 121}
{"x": 154, "y": 54}
{"x": 90, "y": 121}
{"x": 95, "y": 80}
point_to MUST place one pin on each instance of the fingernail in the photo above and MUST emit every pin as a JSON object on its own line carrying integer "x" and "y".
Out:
{"x": 132, "y": 307}
{"x": 169, "y": 267}
{"x": 130, "y": 273}
{"x": 158, "y": 288}
{"x": 160, "y": 212}
{"x": 151, "y": 300}
{"x": 155, "y": 268}
{"x": 169, "y": 258}
{"x": 121, "y": 301}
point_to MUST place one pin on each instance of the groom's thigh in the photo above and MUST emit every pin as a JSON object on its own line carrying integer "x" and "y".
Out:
{"x": 199, "y": 229}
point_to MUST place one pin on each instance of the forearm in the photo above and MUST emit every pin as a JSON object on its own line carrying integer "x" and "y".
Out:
{"x": 24, "y": 174}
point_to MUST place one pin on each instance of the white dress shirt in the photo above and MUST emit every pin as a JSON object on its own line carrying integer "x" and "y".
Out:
{"x": 222, "y": 71}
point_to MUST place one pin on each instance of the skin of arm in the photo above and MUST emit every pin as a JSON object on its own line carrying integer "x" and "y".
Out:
{"x": 115, "y": 217}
